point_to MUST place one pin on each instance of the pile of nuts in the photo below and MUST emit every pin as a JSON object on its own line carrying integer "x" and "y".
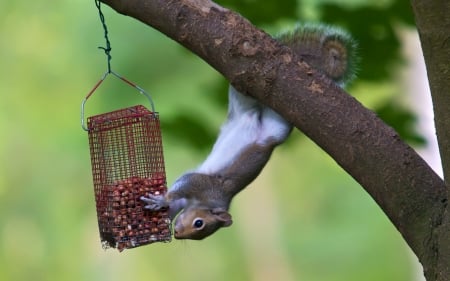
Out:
{"x": 123, "y": 221}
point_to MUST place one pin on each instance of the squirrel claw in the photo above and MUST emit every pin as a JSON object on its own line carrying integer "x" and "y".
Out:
{"x": 154, "y": 202}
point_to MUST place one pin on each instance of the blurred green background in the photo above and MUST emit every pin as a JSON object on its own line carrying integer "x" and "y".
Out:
{"x": 302, "y": 219}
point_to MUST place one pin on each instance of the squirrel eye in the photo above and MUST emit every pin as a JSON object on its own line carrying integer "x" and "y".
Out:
{"x": 198, "y": 223}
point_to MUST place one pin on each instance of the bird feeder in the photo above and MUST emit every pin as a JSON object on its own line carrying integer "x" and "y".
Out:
{"x": 127, "y": 163}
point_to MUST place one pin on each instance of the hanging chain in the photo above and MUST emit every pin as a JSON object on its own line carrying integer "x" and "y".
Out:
{"x": 106, "y": 49}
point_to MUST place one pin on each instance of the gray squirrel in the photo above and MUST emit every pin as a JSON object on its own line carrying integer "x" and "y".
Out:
{"x": 201, "y": 198}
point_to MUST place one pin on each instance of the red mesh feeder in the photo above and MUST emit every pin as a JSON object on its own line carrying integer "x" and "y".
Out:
{"x": 127, "y": 163}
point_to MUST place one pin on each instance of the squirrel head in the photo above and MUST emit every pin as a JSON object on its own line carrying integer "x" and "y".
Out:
{"x": 329, "y": 49}
{"x": 198, "y": 223}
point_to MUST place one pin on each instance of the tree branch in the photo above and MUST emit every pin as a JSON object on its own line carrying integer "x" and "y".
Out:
{"x": 433, "y": 23}
{"x": 403, "y": 185}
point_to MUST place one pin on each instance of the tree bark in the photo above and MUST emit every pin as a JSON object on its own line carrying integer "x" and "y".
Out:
{"x": 433, "y": 24}
{"x": 402, "y": 184}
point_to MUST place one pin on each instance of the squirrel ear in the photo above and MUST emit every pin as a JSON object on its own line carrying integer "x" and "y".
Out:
{"x": 223, "y": 216}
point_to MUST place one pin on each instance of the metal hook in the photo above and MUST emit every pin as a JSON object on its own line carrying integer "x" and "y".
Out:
{"x": 83, "y": 103}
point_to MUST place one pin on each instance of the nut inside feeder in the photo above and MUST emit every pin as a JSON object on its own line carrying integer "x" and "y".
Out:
{"x": 127, "y": 163}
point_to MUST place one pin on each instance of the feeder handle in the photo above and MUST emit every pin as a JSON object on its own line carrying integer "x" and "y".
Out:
{"x": 142, "y": 91}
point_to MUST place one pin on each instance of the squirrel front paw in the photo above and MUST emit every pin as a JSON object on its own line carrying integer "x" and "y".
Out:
{"x": 154, "y": 202}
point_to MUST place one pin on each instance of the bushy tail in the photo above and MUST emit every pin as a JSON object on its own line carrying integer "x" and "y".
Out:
{"x": 326, "y": 48}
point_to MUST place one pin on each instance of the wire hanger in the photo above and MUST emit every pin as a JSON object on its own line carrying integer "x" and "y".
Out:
{"x": 107, "y": 51}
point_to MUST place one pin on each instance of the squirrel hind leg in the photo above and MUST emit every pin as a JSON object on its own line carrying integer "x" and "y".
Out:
{"x": 239, "y": 103}
{"x": 274, "y": 128}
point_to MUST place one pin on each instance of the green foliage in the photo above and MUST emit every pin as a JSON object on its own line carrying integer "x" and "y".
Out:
{"x": 263, "y": 12}
{"x": 403, "y": 120}
{"x": 190, "y": 130}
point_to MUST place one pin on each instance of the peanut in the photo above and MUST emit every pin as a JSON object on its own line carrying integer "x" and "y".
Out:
{"x": 124, "y": 218}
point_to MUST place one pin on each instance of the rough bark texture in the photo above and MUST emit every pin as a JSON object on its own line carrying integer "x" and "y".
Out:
{"x": 404, "y": 186}
{"x": 433, "y": 23}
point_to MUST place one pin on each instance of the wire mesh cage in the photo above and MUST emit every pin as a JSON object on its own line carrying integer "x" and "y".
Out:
{"x": 127, "y": 163}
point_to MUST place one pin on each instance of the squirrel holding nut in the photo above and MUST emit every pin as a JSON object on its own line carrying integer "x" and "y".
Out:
{"x": 201, "y": 198}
